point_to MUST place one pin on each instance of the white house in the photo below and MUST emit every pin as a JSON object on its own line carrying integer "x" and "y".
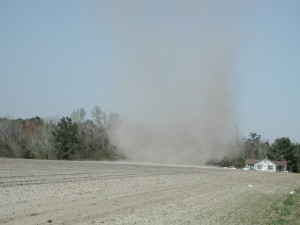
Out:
{"x": 267, "y": 165}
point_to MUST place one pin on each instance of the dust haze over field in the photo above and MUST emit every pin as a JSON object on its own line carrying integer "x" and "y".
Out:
{"x": 177, "y": 78}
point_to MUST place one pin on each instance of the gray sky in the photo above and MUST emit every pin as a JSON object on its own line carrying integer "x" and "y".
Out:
{"x": 58, "y": 56}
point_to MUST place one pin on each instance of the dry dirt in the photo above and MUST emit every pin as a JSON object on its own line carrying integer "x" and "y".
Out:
{"x": 64, "y": 192}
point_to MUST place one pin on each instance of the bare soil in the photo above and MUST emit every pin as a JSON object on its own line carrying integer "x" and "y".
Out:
{"x": 64, "y": 192}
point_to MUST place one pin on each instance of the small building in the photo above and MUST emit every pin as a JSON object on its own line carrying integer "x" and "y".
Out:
{"x": 267, "y": 165}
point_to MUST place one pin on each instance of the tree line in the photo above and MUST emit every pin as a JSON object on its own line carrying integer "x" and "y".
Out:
{"x": 78, "y": 138}
{"x": 73, "y": 137}
{"x": 253, "y": 147}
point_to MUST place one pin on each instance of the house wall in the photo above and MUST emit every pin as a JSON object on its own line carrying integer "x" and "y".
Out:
{"x": 265, "y": 165}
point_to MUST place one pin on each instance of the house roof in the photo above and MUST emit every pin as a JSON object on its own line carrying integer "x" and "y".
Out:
{"x": 254, "y": 161}
{"x": 280, "y": 163}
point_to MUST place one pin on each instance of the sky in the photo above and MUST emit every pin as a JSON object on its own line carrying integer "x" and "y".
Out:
{"x": 129, "y": 56}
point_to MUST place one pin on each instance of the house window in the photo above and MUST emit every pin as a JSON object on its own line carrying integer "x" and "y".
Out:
{"x": 259, "y": 167}
{"x": 270, "y": 167}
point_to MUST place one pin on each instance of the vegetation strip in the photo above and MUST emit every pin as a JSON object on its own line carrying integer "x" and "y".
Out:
{"x": 289, "y": 212}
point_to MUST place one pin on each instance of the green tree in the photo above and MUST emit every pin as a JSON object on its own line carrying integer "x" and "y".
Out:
{"x": 65, "y": 137}
{"x": 254, "y": 138}
{"x": 283, "y": 149}
{"x": 296, "y": 157}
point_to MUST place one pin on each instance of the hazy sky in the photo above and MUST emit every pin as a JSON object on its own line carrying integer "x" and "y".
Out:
{"x": 58, "y": 56}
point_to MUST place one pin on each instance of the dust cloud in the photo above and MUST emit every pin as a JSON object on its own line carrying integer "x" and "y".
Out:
{"x": 177, "y": 78}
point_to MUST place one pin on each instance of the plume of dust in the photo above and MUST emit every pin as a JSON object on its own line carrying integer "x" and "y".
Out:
{"x": 177, "y": 81}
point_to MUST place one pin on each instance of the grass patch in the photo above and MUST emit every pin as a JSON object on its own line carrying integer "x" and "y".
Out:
{"x": 289, "y": 213}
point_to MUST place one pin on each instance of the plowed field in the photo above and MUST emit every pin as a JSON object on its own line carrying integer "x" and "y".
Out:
{"x": 65, "y": 192}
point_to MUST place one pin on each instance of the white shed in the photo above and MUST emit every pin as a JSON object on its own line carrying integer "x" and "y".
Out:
{"x": 265, "y": 165}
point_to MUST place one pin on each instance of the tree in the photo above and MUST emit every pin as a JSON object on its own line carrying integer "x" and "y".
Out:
{"x": 296, "y": 157}
{"x": 65, "y": 137}
{"x": 255, "y": 148}
{"x": 78, "y": 115}
{"x": 5, "y": 136}
{"x": 254, "y": 138}
{"x": 98, "y": 116}
{"x": 283, "y": 149}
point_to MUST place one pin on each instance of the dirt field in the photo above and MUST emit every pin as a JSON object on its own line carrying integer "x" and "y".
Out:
{"x": 60, "y": 192}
